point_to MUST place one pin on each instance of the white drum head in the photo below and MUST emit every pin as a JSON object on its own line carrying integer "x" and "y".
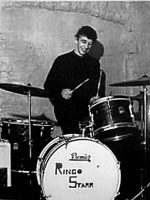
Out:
{"x": 80, "y": 169}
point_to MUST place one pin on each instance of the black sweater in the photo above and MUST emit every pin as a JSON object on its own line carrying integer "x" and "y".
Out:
{"x": 68, "y": 71}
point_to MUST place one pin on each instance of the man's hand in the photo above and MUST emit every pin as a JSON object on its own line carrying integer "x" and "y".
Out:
{"x": 66, "y": 93}
{"x": 93, "y": 99}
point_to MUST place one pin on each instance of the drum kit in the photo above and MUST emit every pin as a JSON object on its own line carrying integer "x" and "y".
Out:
{"x": 81, "y": 166}
{"x": 26, "y": 130}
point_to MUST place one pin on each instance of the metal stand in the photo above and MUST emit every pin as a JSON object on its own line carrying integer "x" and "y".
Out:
{"x": 144, "y": 143}
{"x": 30, "y": 172}
{"x": 30, "y": 137}
{"x": 29, "y": 91}
{"x": 142, "y": 81}
{"x": 141, "y": 192}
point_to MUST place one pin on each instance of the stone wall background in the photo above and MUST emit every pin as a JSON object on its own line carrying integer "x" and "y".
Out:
{"x": 33, "y": 34}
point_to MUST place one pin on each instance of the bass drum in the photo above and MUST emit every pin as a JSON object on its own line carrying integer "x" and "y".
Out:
{"x": 78, "y": 168}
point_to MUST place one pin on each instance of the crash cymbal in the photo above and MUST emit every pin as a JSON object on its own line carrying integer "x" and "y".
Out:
{"x": 22, "y": 89}
{"x": 142, "y": 81}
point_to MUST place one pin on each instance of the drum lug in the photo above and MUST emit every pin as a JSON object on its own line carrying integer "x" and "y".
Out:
{"x": 97, "y": 140}
{"x": 41, "y": 160}
{"x": 67, "y": 140}
{"x": 118, "y": 163}
{"x": 118, "y": 193}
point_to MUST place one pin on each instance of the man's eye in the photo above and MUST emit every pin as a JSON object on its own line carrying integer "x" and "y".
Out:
{"x": 83, "y": 41}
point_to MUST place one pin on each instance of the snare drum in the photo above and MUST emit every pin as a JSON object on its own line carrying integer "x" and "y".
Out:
{"x": 16, "y": 131}
{"x": 78, "y": 168}
{"x": 112, "y": 115}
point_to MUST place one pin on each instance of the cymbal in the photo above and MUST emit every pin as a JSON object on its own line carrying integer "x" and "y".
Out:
{"x": 22, "y": 89}
{"x": 142, "y": 81}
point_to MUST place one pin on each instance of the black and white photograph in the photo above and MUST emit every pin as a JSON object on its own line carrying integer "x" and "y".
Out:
{"x": 74, "y": 100}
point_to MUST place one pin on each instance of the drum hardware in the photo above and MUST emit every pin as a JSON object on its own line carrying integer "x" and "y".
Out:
{"x": 90, "y": 127}
{"x": 141, "y": 192}
{"x": 86, "y": 128}
{"x": 24, "y": 171}
{"x": 66, "y": 140}
{"x": 91, "y": 121}
{"x": 142, "y": 81}
{"x": 29, "y": 91}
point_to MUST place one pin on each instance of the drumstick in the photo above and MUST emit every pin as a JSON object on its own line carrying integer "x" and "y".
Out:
{"x": 80, "y": 85}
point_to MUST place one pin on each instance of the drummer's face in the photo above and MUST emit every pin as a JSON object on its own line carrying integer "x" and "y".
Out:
{"x": 83, "y": 45}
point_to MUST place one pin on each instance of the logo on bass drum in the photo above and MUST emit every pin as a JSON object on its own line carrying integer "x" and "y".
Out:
{"x": 73, "y": 176}
{"x": 76, "y": 157}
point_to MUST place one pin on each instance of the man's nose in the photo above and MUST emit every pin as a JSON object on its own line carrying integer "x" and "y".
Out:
{"x": 87, "y": 46}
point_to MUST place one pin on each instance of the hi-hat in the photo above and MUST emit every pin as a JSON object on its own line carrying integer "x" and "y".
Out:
{"x": 25, "y": 90}
{"x": 142, "y": 81}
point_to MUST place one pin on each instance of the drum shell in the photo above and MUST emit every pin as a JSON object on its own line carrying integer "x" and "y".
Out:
{"x": 112, "y": 116}
{"x": 58, "y": 153}
{"x": 128, "y": 152}
{"x": 17, "y": 133}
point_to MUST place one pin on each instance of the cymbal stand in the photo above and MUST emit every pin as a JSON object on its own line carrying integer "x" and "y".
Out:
{"x": 144, "y": 141}
{"x": 30, "y": 136}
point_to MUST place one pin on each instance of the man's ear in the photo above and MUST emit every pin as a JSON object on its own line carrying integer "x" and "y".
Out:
{"x": 75, "y": 39}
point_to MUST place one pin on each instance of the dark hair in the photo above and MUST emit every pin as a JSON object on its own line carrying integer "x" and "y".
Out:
{"x": 87, "y": 31}
{"x": 97, "y": 50}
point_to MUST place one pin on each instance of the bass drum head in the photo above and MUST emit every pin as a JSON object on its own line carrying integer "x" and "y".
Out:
{"x": 47, "y": 150}
{"x": 79, "y": 169}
